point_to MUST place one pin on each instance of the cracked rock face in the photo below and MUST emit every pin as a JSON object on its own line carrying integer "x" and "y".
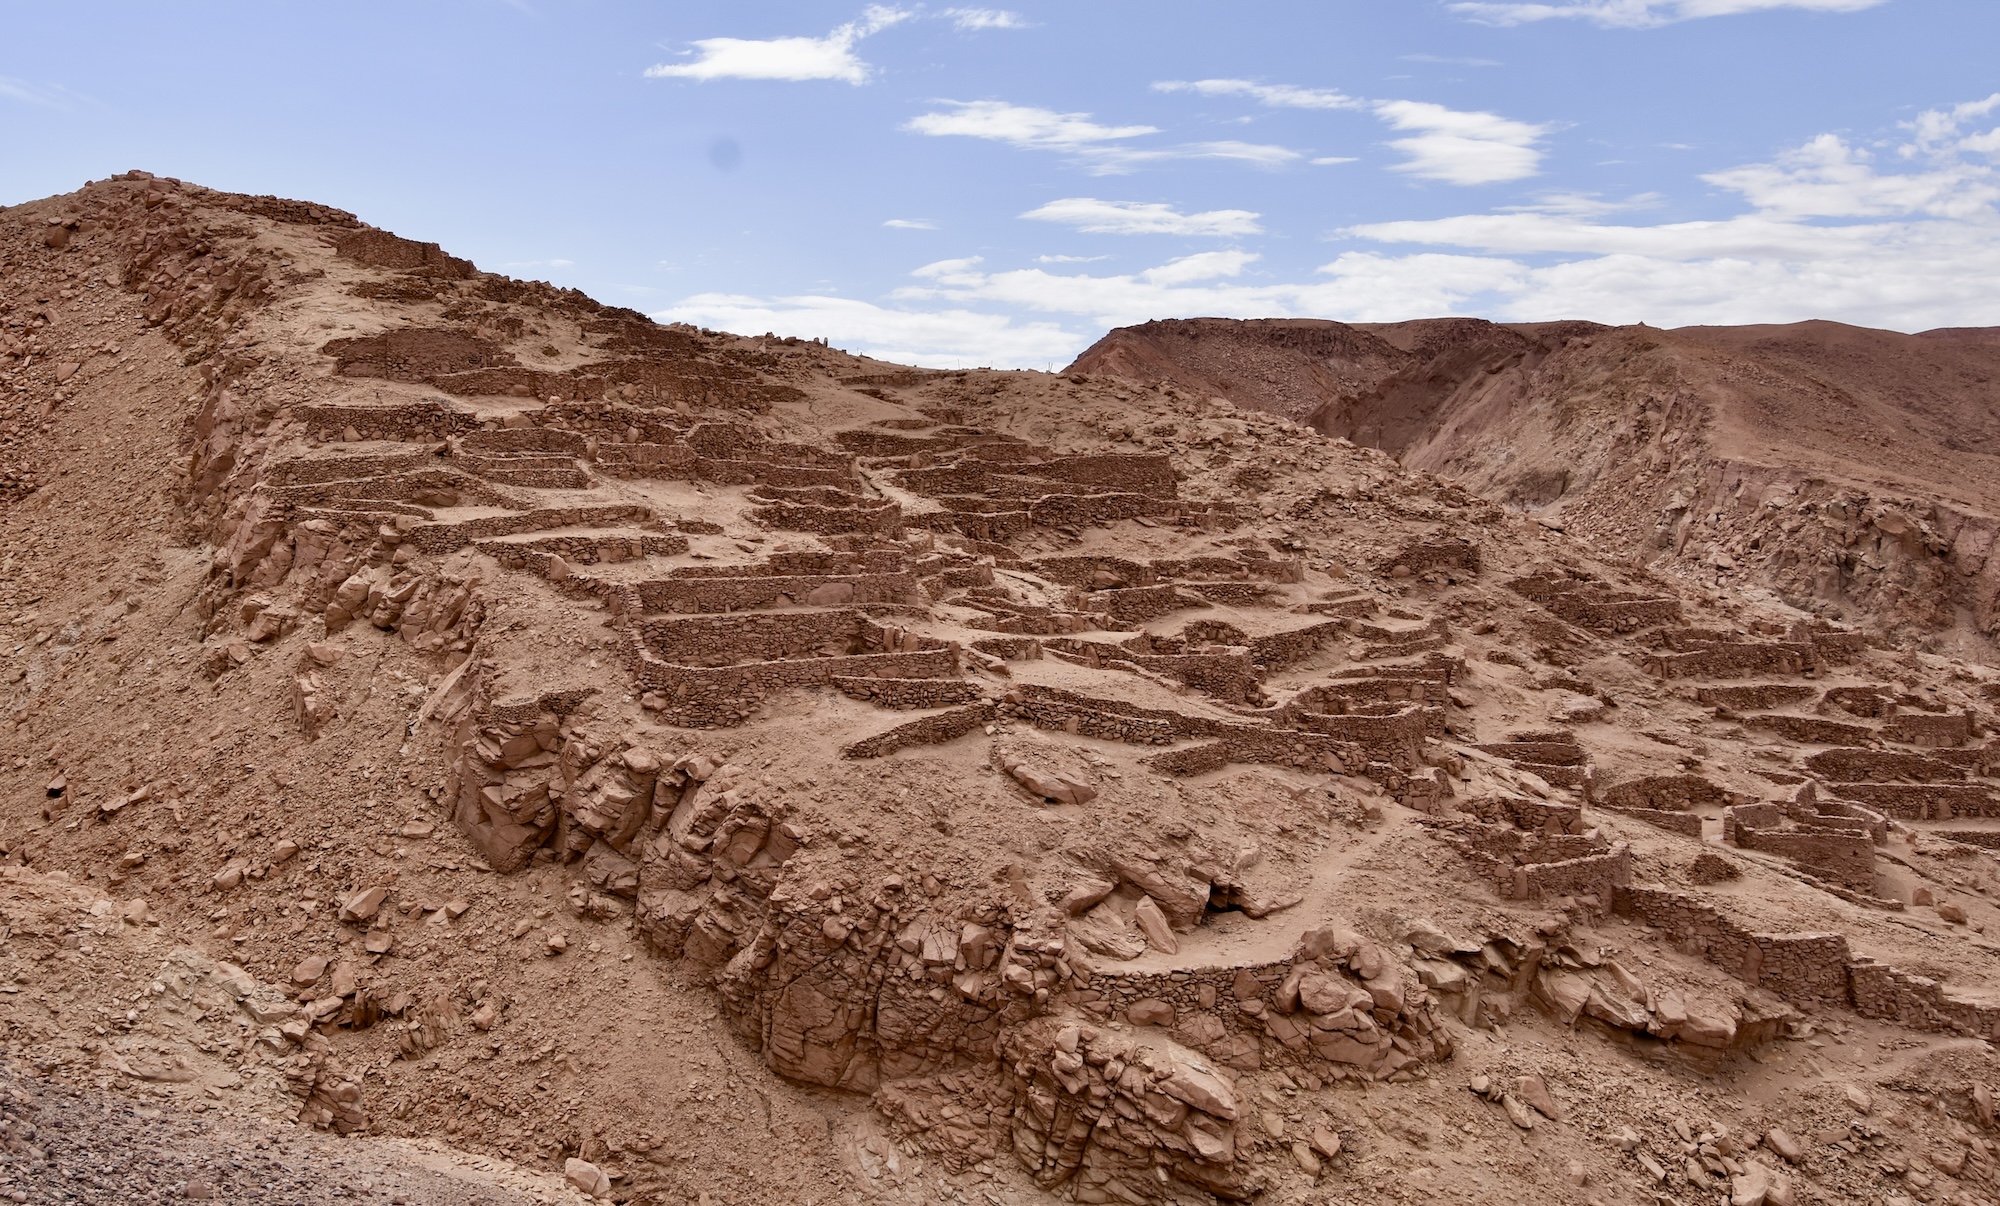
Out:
{"x": 679, "y": 765}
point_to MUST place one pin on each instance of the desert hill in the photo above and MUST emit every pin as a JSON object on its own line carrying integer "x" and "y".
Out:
{"x": 570, "y": 757}
{"x": 1851, "y": 472}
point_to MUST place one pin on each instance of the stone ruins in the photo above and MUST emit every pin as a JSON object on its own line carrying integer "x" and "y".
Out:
{"x": 973, "y": 749}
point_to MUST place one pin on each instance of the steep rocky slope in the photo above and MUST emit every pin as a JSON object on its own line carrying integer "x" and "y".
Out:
{"x": 1851, "y": 472}
{"x": 726, "y": 770}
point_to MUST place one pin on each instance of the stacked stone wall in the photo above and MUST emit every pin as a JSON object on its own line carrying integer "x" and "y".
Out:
{"x": 913, "y": 693}
{"x": 1805, "y": 969}
{"x": 762, "y": 636}
{"x": 1731, "y": 660}
{"x": 1137, "y": 604}
{"x": 507, "y": 440}
{"x": 1668, "y": 793}
{"x": 1229, "y": 675}
{"x": 1846, "y": 858}
{"x": 435, "y": 486}
{"x": 1755, "y": 696}
{"x": 409, "y": 421}
{"x": 646, "y": 460}
{"x": 308, "y": 470}
{"x": 1594, "y": 875}
{"x": 712, "y": 696}
{"x": 1615, "y": 614}
{"x": 438, "y": 539}
{"x": 1296, "y": 645}
{"x": 737, "y": 593}
{"x": 1538, "y": 816}
{"x": 1942, "y": 730}
{"x": 1087, "y": 510}
{"x": 884, "y": 518}
{"x": 930, "y": 730}
{"x": 1919, "y": 1002}
{"x": 1687, "y": 824}
{"x": 1923, "y": 802}
{"x": 605, "y": 549}
{"x": 1871, "y": 765}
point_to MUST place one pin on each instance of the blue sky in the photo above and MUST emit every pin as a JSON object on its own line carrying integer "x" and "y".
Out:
{"x": 953, "y": 184}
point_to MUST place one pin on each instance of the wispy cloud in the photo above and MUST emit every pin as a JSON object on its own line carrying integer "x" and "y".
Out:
{"x": 1583, "y": 205}
{"x": 1257, "y": 153}
{"x": 795, "y": 58}
{"x": 1101, "y": 149}
{"x": 973, "y": 19}
{"x": 1461, "y": 147}
{"x": 1445, "y": 60}
{"x": 1278, "y": 96}
{"x": 910, "y": 224}
{"x": 40, "y": 97}
{"x": 1443, "y": 144}
{"x": 1023, "y": 126}
{"x": 1070, "y": 259}
{"x": 1641, "y": 14}
{"x": 1092, "y": 216}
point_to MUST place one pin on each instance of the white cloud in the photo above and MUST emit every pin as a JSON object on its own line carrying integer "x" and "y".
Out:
{"x": 959, "y": 314}
{"x": 1260, "y": 154}
{"x": 1070, "y": 259}
{"x": 1281, "y": 96}
{"x": 973, "y": 19}
{"x": 1202, "y": 266}
{"x": 1093, "y": 216}
{"x": 1101, "y": 149}
{"x": 1937, "y": 130}
{"x": 1022, "y": 126}
{"x": 1460, "y": 147}
{"x": 1823, "y": 232}
{"x": 1360, "y": 287}
{"x": 940, "y": 338}
{"x": 796, "y": 58}
{"x": 910, "y": 224}
{"x": 1925, "y": 257}
{"x": 1583, "y": 205}
{"x": 1641, "y": 14}
{"x": 1827, "y": 178}
{"x": 1444, "y": 144}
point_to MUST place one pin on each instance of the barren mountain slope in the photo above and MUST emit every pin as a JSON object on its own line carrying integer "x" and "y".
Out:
{"x": 1854, "y": 472}
{"x": 476, "y": 720}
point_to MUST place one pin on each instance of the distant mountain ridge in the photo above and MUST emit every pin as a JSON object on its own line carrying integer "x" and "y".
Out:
{"x": 1852, "y": 469}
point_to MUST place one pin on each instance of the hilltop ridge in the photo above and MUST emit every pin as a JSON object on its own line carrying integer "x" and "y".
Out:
{"x": 1849, "y": 471}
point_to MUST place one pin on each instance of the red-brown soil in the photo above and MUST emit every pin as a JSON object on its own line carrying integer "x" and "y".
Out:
{"x": 565, "y": 755}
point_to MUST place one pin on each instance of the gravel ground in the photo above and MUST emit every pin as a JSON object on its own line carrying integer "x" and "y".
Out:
{"x": 62, "y": 1144}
